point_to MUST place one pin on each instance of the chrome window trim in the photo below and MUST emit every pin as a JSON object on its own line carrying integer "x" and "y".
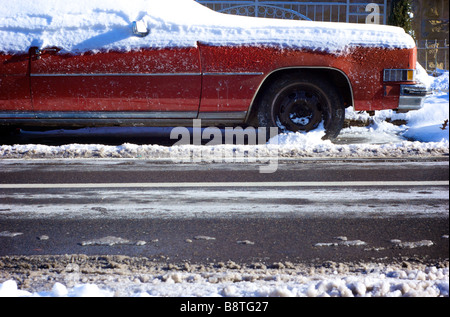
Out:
{"x": 146, "y": 74}
{"x": 112, "y": 74}
{"x": 235, "y": 74}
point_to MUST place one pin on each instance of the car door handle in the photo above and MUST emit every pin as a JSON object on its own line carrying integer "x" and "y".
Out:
{"x": 38, "y": 52}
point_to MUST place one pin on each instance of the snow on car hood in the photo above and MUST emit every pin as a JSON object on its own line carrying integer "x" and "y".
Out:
{"x": 94, "y": 25}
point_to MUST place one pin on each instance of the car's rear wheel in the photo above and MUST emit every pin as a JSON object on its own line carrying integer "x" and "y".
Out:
{"x": 302, "y": 104}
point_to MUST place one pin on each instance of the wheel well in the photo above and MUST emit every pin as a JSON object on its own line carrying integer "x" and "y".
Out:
{"x": 335, "y": 76}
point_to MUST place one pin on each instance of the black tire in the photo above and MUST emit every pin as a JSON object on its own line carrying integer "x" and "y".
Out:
{"x": 295, "y": 103}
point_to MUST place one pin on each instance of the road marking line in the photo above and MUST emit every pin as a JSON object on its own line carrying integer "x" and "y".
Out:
{"x": 227, "y": 184}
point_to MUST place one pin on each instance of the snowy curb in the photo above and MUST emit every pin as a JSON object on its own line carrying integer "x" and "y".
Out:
{"x": 226, "y": 153}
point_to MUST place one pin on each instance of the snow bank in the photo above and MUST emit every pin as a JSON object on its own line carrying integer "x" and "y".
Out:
{"x": 429, "y": 123}
{"x": 440, "y": 82}
{"x": 375, "y": 281}
{"x": 291, "y": 146}
{"x": 92, "y": 25}
{"x": 9, "y": 289}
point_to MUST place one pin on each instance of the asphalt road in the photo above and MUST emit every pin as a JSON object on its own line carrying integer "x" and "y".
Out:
{"x": 308, "y": 210}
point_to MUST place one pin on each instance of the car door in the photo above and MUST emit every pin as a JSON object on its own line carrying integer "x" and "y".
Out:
{"x": 231, "y": 77}
{"x": 145, "y": 84}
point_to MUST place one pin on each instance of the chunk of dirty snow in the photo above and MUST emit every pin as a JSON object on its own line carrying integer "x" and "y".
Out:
{"x": 411, "y": 245}
{"x": 245, "y": 242}
{"x": 109, "y": 240}
{"x": 10, "y": 234}
{"x": 204, "y": 238}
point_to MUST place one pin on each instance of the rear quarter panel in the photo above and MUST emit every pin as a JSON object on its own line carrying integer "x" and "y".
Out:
{"x": 362, "y": 66}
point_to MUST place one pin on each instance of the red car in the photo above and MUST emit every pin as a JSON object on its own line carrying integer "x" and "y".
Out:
{"x": 65, "y": 65}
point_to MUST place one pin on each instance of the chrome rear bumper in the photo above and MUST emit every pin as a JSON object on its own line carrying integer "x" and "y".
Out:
{"x": 412, "y": 97}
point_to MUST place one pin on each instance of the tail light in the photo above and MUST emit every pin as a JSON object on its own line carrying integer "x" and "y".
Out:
{"x": 402, "y": 75}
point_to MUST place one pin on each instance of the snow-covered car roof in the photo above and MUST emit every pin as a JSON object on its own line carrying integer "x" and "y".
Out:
{"x": 97, "y": 25}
